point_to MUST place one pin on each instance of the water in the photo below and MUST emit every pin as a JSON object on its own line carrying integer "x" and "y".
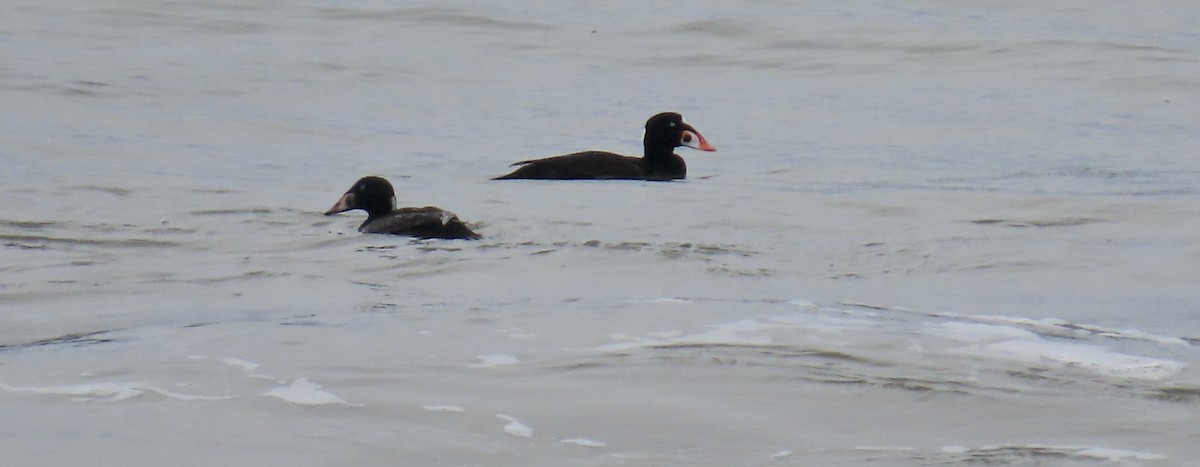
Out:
{"x": 933, "y": 234}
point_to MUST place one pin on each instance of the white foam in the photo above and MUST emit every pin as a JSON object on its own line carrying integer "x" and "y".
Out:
{"x": 516, "y": 334}
{"x": 659, "y": 300}
{"x": 832, "y": 324}
{"x": 975, "y": 332}
{"x": 495, "y": 360}
{"x": 587, "y": 443}
{"x": 1098, "y": 453}
{"x": 443, "y": 408}
{"x": 802, "y": 303}
{"x": 783, "y": 453}
{"x": 243, "y": 364}
{"x": 1118, "y": 455}
{"x": 723, "y": 337}
{"x": 1060, "y": 327}
{"x": 1085, "y": 356}
{"x": 622, "y": 346}
{"x": 303, "y": 392}
{"x": 747, "y": 332}
{"x": 1012, "y": 343}
{"x": 268, "y": 378}
{"x": 515, "y": 427}
{"x": 884, "y": 448}
{"x": 108, "y": 392}
{"x": 1135, "y": 334}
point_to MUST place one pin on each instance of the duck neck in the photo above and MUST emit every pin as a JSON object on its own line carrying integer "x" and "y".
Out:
{"x": 381, "y": 208}
{"x": 658, "y": 152}
{"x": 661, "y": 162}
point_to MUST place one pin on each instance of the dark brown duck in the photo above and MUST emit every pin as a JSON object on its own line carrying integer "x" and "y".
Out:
{"x": 376, "y": 196}
{"x": 664, "y": 132}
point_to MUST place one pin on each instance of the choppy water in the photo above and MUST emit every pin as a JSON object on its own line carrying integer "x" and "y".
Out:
{"x": 934, "y": 234}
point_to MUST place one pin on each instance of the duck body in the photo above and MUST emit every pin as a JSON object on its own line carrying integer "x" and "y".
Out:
{"x": 426, "y": 222}
{"x": 376, "y": 196}
{"x": 664, "y": 132}
{"x": 594, "y": 165}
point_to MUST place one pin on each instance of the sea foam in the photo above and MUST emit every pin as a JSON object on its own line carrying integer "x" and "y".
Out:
{"x": 303, "y": 392}
{"x": 108, "y": 392}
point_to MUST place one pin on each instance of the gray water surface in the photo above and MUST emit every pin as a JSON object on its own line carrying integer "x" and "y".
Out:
{"x": 934, "y": 233}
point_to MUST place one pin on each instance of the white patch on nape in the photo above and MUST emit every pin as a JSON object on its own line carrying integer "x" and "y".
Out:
{"x": 393, "y": 202}
{"x": 447, "y": 216}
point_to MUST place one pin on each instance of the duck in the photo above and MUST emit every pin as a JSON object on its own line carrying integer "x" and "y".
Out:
{"x": 664, "y": 132}
{"x": 376, "y": 196}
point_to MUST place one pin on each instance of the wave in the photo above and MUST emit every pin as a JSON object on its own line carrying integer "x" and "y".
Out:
{"x": 925, "y": 352}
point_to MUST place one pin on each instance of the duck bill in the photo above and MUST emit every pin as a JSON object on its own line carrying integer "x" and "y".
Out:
{"x": 343, "y": 204}
{"x": 693, "y": 139}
